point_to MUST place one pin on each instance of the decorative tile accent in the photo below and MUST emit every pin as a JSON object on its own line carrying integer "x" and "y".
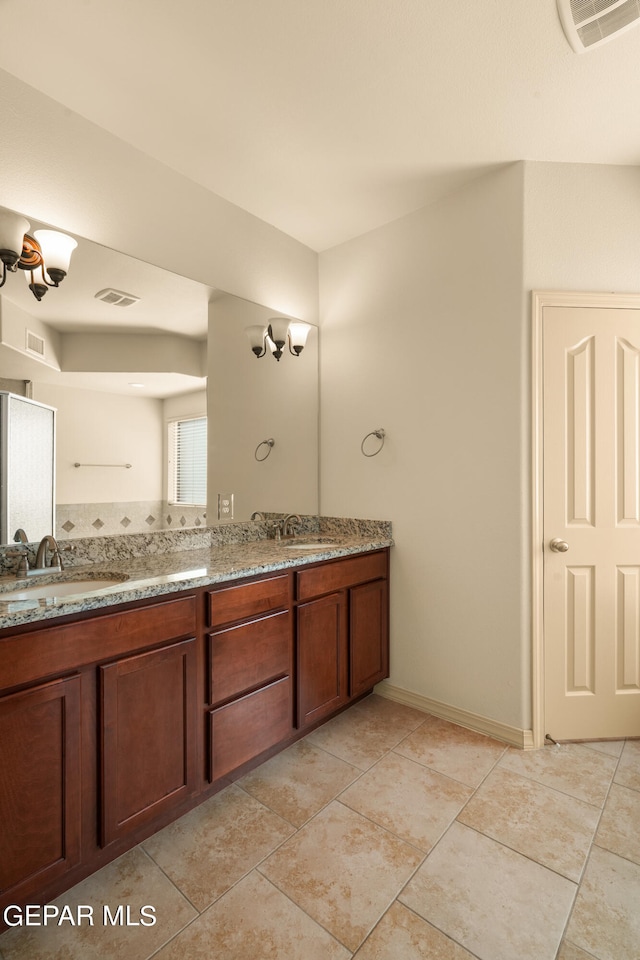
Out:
{"x": 150, "y": 519}
{"x": 125, "y": 522}
{"x": 68, "y": 526}
{"x": 98, "y": 524}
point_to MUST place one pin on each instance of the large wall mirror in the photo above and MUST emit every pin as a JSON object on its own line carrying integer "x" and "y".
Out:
{"x": 118, "y": 369}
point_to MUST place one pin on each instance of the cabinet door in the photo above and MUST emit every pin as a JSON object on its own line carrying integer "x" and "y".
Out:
{"x": 368, "y": 636}
{"x": 149, "y": 714}
{"x": 322, "y": 657}
{"x": 40, "y": 787}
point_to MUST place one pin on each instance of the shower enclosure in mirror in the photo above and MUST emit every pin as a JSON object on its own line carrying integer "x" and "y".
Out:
{"x": 27, "y": 473}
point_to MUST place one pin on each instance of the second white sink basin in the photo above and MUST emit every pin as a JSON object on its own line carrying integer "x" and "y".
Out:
{"x": 60, "y": 588}
{"x": 310, "y": 544}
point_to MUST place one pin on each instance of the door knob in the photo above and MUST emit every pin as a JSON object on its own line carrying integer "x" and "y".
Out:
{"x": 558, "y": 545}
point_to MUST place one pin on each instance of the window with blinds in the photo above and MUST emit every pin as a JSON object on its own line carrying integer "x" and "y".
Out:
{"x": 188, "y": 461}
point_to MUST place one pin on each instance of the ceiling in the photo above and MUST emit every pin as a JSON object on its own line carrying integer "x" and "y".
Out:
{"x": 330, "y": 119}
{"x": 167, "y": 303}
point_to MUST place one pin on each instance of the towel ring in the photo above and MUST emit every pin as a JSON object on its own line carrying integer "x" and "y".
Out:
{"x": 269, "y": 443}
{"x": 380, "y": 434}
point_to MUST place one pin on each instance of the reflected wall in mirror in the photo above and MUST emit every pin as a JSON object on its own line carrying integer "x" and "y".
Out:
{"x": 254, "y": 399}
{"x": 90, "y": 357}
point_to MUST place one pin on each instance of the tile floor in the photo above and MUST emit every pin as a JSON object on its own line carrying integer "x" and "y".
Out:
{"x": 387, "y": 834}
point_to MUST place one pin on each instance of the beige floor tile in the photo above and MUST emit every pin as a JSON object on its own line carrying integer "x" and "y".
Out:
{"x": 343, "y": 870}
{"x": 570, "y": 768}
{"x": 619, "y": 829}
{"x": 462, "y": 754}
{"x": 410, "y": 800}
{"x": 496, "y": 903}
{"x": 213, "y": 846}
{"x": 132, "y": 880}
{"x": 550, "y": 827}
{"x": 606, "y": 919}
{"x": 628, "y": 772}
{"x": 612, "y": 747}
{"x": 368, "y": 730}
{"x": 569, "y": 951}
{"x": 299, "y": 781}
{"x": 254, "y": 921}
{"x": 401, "y": 935}
{"x": 406, "y": 718}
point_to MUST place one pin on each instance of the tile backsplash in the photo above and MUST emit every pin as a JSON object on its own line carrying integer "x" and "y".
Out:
{"x": 109, "y": 519}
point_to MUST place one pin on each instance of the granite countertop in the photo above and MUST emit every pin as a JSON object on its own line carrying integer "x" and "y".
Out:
{"x": 158, "y": 574}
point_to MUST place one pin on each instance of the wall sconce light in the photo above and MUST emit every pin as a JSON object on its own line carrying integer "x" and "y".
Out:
{"x": 44, "y": 256}
{"x": 276, "y": 334}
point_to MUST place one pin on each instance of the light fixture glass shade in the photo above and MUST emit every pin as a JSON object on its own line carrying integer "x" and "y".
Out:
{"x": 256, "y": 336}
{"x": 12, "y": 230}
{"x": 56, "y": 249}
{"x": 279, "y": 328}
{"x": 298, "y": 333}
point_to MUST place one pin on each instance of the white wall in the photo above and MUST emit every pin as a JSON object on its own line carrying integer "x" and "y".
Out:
{"x": 251, "y": 400}
{"x": 582, "y": 227}
{"x": 422, "y": 334}
{"x": 96, "y": 427}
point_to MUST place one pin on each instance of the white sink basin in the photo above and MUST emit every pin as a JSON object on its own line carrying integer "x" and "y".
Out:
{"x": 60, "y": 588}
{"x": 310, "y": 544}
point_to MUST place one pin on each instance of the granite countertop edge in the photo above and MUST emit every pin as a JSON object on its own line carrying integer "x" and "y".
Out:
{"x": 164, "y": 574}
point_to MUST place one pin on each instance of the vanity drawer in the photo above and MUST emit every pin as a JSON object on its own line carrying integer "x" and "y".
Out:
{"x": 247, "y": 600}
{"x": 243, "y": 729}
{"x": 338, "y": 574}
{"x": 248, "y": 655}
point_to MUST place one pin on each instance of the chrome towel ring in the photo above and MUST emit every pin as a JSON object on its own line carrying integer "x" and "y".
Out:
{"x": 268, "y": 443}
{"x": 380, "y": 434}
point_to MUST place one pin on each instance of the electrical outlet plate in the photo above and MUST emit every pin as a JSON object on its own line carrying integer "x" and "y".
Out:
{"x": 225, "y": 506}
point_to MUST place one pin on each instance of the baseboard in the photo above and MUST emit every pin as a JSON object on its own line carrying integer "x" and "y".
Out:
{"x": 473, "y": 721}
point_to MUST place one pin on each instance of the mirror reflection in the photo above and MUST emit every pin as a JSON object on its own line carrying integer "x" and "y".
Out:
{"x": 122, "y": 350}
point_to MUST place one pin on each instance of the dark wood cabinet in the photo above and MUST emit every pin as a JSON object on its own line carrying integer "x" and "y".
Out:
{"x": 368, "y": 636}
{"x": 250, "y": 672}
{"x": 40, "y": 787}
{"x": 322, "y": 658}
{"x": 113, "y": 724}
{"x": 148, "y": 709}
{"x": 343, "y": 635}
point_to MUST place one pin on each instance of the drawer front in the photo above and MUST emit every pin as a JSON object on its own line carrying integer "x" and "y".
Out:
{"x": 248, "y": 655}
{"x": 247, "y": 600}
{"x": 54, "y": 650}
{"x": 241, "y": 730}
{"x": 338, "y": 574}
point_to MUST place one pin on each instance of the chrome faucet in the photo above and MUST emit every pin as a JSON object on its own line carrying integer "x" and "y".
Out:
{"x": 41, "y": 556}
{"x": 289, "y": 523}
{"x": 20, "y": 536}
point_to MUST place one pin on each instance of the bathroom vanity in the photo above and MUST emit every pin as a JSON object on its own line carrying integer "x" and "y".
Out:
{"x": 123, "y": 708}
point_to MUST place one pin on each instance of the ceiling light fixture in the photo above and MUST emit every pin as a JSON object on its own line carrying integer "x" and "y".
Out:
{"x": 278, "y": 332}
{"x": 44, "y": 256}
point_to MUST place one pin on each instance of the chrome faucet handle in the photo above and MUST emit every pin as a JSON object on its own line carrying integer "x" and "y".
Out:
{"x": 277, "y": 529}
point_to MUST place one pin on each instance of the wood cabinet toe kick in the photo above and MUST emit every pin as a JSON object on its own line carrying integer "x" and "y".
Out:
{"x": 113, "y": 725}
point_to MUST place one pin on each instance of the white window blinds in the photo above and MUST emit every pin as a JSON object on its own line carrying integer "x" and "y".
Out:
{"x": 188, "y": 461}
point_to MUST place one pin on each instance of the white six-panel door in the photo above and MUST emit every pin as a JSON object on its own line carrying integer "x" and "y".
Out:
{"x": 591, "y": 525}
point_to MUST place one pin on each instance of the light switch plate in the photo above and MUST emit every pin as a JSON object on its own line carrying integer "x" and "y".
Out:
{"x": 225, "y": 506}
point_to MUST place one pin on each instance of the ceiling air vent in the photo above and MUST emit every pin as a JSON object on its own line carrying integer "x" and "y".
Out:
{"x": 589, "y": 23}
{"x": 34, "y": 344}
{"x": 117, "y": 297}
